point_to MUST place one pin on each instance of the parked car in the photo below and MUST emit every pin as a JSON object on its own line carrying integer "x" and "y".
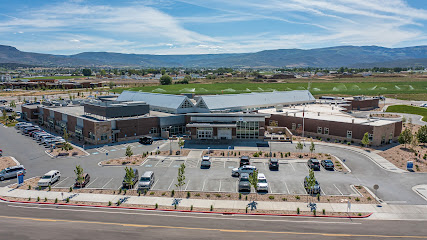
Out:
{"x": 206, "y": 162}
{"x": 11, "y": 172}
{"x": 49, "y": 178}
{"x": 244, "y": 184}
{"x": 3, "y": 101}
{"x": 38, "y": 136}
{"x": 20, "y": 127}
{"x": 327, "y": 164}
{"x": 314, "y": 164}
{"x": 85, "y": 181}
{"x": 423, "y": 105}
{"x": 37, "y": 131}
{"x": 244, "y": 160}
{"x": 133, "y": 182}
{"x": 30, "y": 129}
{"x": 46, "y": 138}
{"x": 19, "y": 124}
{"x": 146, "y": 140}
{"x": 273, "y": 164}
{"x": 311, "y": 190}
{"x": 147, "y": 180}
{"x": 262, "y": 184}
{"x": 245, "y": 169}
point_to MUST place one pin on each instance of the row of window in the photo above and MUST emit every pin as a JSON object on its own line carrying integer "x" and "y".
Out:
{"x": 325, "y": 131}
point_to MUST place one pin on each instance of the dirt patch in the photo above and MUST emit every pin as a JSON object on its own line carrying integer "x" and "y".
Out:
{"x": 30, "y": 183}
{"x": 384, "y": 115}
{"x": 75, "y": 152}
{"x": 6, "y": 162}
{"x": 184, "y": 152}
{"x": 278, "y": 155}
{"x": 134, "y": 160}
{"x": 399, "y": 155}
{"x": 319, "y": 212}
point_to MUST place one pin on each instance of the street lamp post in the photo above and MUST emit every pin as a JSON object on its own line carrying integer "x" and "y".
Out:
{"x": 170, "y": 141}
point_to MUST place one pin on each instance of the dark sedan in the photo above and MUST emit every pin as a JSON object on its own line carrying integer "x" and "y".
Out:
{"x": 328, "y": 164}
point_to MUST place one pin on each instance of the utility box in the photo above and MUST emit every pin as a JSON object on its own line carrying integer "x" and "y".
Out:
{"x": 410, "y": 165}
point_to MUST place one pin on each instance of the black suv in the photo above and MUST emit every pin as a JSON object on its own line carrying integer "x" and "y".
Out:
{"x": 273, "y": 164}
{"x": 328, "y": 164}
{"x": 244, "y": 160}
{"x": 146, "y": 140}
{"x": 134, "y": 180}
{"x": 244, "y": 184}
{"x": 314, "y": 164}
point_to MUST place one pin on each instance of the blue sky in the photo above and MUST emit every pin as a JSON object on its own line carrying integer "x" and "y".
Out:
{"x": 208, "y": 26}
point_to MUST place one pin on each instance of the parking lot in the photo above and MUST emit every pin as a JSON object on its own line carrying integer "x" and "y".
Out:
{"x": 112, "y": 148}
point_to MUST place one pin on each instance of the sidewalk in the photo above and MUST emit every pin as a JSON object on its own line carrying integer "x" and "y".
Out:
{"x": 386, "y": 211}
{"x": 377, "y": 159}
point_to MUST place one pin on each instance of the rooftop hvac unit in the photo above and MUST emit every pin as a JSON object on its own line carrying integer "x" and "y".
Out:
{"x": 279, "y": 108}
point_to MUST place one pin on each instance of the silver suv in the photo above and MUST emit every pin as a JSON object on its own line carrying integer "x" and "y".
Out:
{"x": 11, "y": 172}
{"x": 244, "y": 169}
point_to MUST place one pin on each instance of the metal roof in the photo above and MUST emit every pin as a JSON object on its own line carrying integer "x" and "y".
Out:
{"x": 248, "y": 100}
{"x": 154, "y": 99}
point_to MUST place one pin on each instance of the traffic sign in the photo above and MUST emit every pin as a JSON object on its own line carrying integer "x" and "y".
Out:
{"x": 20, "y": 176}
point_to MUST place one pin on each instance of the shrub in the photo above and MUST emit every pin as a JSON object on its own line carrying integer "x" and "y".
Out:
{"x": 239, "y": 153}
{"x": 359, "y": 214}
{"x": 208, "y": 195}
{"x": 314, "y": 212}
{"x": 274, "y": 154}
{"x": 240, "y": 196}
{"x": 218, "y": 195}
{"x": 173, "y": 193}
{"x": 357, "y": 199}
{"x": 50, "y": 188}
{"x": 110, "y": 203}
{"x": 175, "y": 206}
{"x": 417, "y": 167}
{"x": 323, "y": 211}
{"x": 145, "y": 191}
{"x": 234, "y": 153}
{"x": 297, "y": 197}
{"x": 191, "y": 208}
{"x": 118, "y": 203}
{"x": 298, "y": 211}
{"x": 188, "y": 194}
{"x": 284, "y": 199}
{"x": 228, "y": 195}
{"x": 56, "y": 200}
{"x": 151, "y": 193}
{"x": 246, "y": 197}
{"x": 71, "y": 189}
{"x": 45, "y": 199}
{"x": 369, "y": 198}
{"x": 124, "y": 191}
{"x": 156, "y": 206}
{"x": 29, "y": 199}
{"x": 348, "y": 143}
{"x": 197, "y": 194}
{"x": 139, "y": 193}
{"x": 318, "y": 197}
{"x": 163, "y": 194}
{"x": 271, "y": 197}
{"x": 281, "y": 155}
{"x": 328, "y": 139}
{"x": 211, "y": 208}
{"x": 328, "y": 200}
{"x": 29, "y": 187}
{"x": 38, "y": 199}
{"x": 67, "y": 200}
{"x": 39, "y": 188}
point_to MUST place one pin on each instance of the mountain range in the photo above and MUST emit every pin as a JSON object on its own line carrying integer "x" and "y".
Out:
{"x": 340, "y": 56}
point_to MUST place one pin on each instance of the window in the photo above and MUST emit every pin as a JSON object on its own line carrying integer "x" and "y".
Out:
{"x": 154, "y": 130}
{"x": 247, "y": 130}
{"x": 371, "y": 137}
{"x": 273, "y": 123}
{"x": 104, "y": 136}
{"x": 299, "y": 126}
{"x": 91, "y": 136}
{"x": 326, "y": 131}
{"x": 319, "y": 130}
{"x": 294, "y": 126}
{"x": 186, "y": 104}
{"x": 349, "y": 134}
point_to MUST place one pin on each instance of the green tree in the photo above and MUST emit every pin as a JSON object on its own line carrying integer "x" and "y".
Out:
{"x": 405, "y": 137}
{"x": 365, "y": 139}
{"x": 299, "y": 146}
{"x": 129, "y": 176}
{"x": 111, "y": 85}
{"x": 66, "y": 146}
{"x": 253, "y": 179}
{"x": 311, "y": 181}
{"x": 87, "y": 72}
{"x": 163, "y": 72}
{"x": 12, "y": 104}
{"x": 129, "y": 152}
{"x": 166, "y": 80}
{"x": 102, "y": 72}
{"x": 312, "y": 147}
{"x": 422, "y": 134}
{"x": 79, "y": 174}
{"x": 181, "y": 177}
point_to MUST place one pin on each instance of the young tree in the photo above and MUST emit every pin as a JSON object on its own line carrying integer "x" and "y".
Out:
{"x": 129, "y": 176}
{"x": 299, "y": 146}
{"x": 422, "y": 134}
{"x": 165, "y": 80}
{"x": 405, "y": 137}
{"x": 181, "y": 142}
{"x": 12, "y": 104}
{"x": 365, "y": 139}
{"x": 312, "y": 147}
{"x": 66, "y": 146}
{"x": 79, "y": 174}
{"x": 129, "y": 152}
{"x": 253, "y": 179}
{"x": 181, "y": 177}
{"x": 311, "y": 181}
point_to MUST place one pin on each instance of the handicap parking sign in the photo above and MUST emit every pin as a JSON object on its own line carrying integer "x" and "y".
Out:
{"x": 20, "y": 176}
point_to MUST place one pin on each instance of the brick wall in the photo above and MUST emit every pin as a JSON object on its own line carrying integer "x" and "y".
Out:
{"x": 140, "y": 126}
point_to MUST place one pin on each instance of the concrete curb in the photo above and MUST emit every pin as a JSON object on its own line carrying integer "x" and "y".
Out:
{"x": 375, "y": 196}
{"x": 119, "y": 165}
{"x": 342, "y": 163}
{"x": 417, "y": 192}
{"x": 14, "y": 159}
{"x": 186, "y": 211}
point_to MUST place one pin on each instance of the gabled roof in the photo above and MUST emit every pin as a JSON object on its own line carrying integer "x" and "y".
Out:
{"x": 154, "y": 99}
{"x": 247, "y": 100}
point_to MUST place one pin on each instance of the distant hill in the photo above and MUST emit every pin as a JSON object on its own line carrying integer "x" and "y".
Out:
{"x": 341, "y": 56}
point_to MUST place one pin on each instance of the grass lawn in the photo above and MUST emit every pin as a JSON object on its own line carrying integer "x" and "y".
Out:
{"x": 316, "y": 88}
{"x": 408, "y": 109}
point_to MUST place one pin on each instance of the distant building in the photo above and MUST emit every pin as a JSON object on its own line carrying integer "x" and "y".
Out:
{"x": 5, "y": 78}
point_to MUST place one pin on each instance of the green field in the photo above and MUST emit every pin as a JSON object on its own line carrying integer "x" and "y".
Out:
{"x": 408, "y": 109}
{"x": 316, "y": 88}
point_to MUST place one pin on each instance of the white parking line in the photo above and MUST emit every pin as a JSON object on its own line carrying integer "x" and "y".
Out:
{"x": 204, "y": 182}
{"x": 107, "y": 183}
{"x": 62, "y": 181}
{"x": 219, "y": 190}
{"x": 87, "y": 186}
{"x": 271, "y": 190}
{"x": 224, "y": 164}
{"x": 171, "y": 184}
{"x": 306, "y": 167}
{"x": 115, "y": 147}
{"x": 171, "y": 163}
{"x": 152, "y": 187}
{"x": 338, "y": 189}
{"x": 159, "y": 161}
{"x": 287, "y": 189}
{"x": 292, "y": 167}
{"x": 322, "y": 192}
{"x": 187, "y": 184}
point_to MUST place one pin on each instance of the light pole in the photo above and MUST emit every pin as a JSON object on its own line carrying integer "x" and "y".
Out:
{"x": 170, "y": 141}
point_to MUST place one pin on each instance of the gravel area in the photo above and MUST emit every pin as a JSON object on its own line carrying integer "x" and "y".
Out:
{"x": 6, "y": 162}
{"x": 134, "y": 160}
{"x": 58, "y": 152}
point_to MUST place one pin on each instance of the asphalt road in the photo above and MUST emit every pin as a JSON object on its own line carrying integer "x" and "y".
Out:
{"x": 30, "y": 221}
